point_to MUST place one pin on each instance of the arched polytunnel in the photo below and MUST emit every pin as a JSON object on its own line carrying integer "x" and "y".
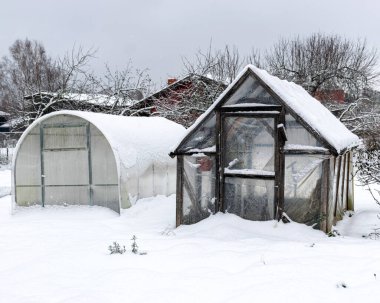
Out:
{"x": 83, "y": 158}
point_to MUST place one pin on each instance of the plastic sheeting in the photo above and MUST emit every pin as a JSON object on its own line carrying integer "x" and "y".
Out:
{"x": 203, "y": 138}
{"x": 297, "y": 134}
{"x": 249, "y": 143}
{"x": 303, "y": 188}
{"x": 198, "y": 188}
{"x": 251, "y": 199}
{"x": 251, "y": 91}
{"x": 65, "y": 159}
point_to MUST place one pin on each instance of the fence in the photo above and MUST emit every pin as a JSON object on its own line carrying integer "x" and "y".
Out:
{"x": 8, "y": 141}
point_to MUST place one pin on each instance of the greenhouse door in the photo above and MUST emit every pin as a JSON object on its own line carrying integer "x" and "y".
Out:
{"x": 250, "y": 160}
{"x": 65, "y": 164}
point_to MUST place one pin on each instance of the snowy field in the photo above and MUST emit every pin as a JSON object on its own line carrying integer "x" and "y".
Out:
{"x": 60, "y": 254}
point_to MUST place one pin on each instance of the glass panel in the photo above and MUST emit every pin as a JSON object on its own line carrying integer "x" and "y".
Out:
{"x": 198, "y": 188}
{"x": 249, "y": 143}
{"x": 65, "y": 137}
{"x": 303, "y": 187}
{"x": 67, "y": 195}
{"x": 250, "y": 91}
{"x": 251, "y": 199}
{"x": 297, "y": 134}
{"x": 202, "y": 138}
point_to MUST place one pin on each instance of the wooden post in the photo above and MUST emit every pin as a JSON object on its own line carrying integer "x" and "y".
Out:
{"x": 218, "y": 164}
{"x": 325, "y": 194}
{"x": 337, "y": 186}
{"x": 344, "y": 202}
{"x": 179, "y": 191}
{"x": 350, "y": 183}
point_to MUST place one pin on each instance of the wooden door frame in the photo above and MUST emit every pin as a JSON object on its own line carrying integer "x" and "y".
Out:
{"x": 279, "y": 161}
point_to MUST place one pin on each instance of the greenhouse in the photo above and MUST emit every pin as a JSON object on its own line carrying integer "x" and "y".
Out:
{"x": 265, "y": 150}
{"x": 82, "y": 158}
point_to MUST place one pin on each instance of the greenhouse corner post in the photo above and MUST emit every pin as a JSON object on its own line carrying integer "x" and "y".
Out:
{"x": 42, "y": 165}
{"x": 88, "y": 134}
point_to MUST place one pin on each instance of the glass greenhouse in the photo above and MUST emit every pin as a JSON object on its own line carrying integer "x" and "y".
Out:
{"x": 72, "y": 157}
{"x": 265, "y": 150}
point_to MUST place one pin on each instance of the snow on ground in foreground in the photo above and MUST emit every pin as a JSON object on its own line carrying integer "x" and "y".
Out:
{"x": 59, "y": 254}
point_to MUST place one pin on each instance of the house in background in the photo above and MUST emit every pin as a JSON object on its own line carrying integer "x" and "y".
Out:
{"x": 181, "y": 101}
{"x": 332, "y": 95}
{"x": 266, "y": 150}
{"x": 4, "y": 125}
{"x": 42, "y": 103}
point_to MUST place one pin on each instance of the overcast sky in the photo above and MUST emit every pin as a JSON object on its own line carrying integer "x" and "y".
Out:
{"x": 157, "y": 34}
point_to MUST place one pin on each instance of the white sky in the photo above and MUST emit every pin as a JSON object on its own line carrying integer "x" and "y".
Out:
{"x": 156, "y": 34}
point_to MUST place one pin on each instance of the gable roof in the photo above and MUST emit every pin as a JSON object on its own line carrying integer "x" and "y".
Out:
{"x": 308, "y": 110}
{"x": 178, "y": 84}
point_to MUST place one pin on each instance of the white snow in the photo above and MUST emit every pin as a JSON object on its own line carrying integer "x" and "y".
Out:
{"x": 303, "y": 104}
{"x": 59, "y": 254}
{"x": 96, "y": 99}
{"x": 304, "y": 147}
{"x": 141, "y": 140}
{"x": 310, "y": 109}
{"x": 247, "y": 171}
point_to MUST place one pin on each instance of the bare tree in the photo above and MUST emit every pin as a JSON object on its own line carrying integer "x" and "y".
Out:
{"x": 221, "y": 65}
{"x": 29, "y": 71}
{"x": 320, "y": 62}
{"x": 128, "y": 85}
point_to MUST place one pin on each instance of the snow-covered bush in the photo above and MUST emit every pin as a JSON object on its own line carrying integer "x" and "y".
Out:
{"x": 115, "y": 248}
{"x": 368, "y": 169}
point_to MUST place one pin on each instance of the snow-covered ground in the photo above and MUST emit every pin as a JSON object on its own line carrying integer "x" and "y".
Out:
{"x": 60, "y": 254}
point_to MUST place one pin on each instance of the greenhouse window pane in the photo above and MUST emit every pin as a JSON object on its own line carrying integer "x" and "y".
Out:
{"x": 251, "y": 199}
{"x": 198, "y": 188}
{"x": 251, "y": 91}
{"x": 249, "y": 143}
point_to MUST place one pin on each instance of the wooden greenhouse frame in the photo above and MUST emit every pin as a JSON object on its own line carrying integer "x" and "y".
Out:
{"x": 333, "y": 192}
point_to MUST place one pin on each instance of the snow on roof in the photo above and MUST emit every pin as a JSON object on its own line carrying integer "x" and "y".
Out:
{"x": 96, "y": 99}
{"x": 310, "y": 109}
{"x": 135, "y": 141}
{"x": 3, "y": 113}
{"x": 302, "y": 103}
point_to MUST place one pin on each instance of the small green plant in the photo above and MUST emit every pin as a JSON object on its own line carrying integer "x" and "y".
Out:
{"x": 135, "y": 248}
{"x": 115, "y": 248}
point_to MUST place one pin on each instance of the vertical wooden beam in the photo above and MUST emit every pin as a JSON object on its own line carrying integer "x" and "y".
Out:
{"x": 278, "y": 208}
{"x": 179, "y": 190}
{"x": 337, "y": 185}
{"x": 281, "y": 155}
{"x": 344, "y": 202}
{"x": 218, "y": 164}
{"x": 325, "y": 194}
{"x": 350, "y": 183}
